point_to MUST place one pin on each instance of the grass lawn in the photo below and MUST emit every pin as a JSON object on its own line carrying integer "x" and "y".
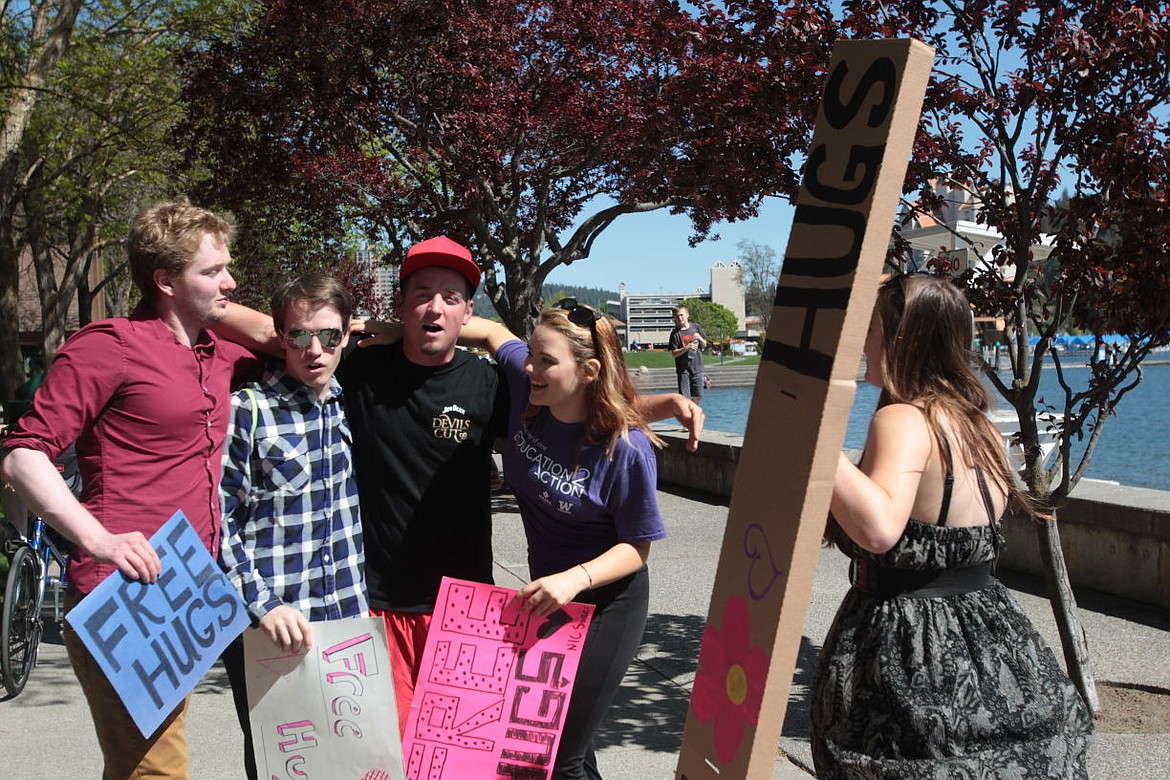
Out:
{"x": 661, "y": 358}
{"x": 655, "y": 358}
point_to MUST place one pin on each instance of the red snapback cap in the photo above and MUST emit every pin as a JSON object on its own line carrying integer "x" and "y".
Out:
{"x": 442, "y": 252}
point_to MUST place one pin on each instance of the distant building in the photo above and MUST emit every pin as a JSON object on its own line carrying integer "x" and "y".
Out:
{"x": 384, "y": 279}
{"x": 647, "y": 316}
{"x": 955, "y": 231}
{"x": 29, "y": 311}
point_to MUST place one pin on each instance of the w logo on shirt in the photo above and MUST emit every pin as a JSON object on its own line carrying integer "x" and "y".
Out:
{"x": 565, "y": 506}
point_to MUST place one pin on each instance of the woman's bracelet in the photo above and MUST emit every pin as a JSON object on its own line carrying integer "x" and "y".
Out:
{"x": 587, "y": 574}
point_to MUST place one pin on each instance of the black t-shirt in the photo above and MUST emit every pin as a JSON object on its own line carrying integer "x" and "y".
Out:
{"x": 687, "y": 361}
{"x": 422, "y": 442}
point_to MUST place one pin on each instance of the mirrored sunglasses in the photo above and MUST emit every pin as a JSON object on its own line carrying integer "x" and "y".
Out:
{"x": 300, "y": 338}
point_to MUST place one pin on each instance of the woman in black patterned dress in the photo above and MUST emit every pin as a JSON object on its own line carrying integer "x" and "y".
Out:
{"x": 931, "y": 668}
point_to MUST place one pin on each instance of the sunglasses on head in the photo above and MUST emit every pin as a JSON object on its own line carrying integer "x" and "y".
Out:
{"x": 898, "y": 280}
{"x": 901, "y": 276}
{"x": 579, "y": 313}
{"x": 582, "y": 316}
{"x": 300, "y": 338}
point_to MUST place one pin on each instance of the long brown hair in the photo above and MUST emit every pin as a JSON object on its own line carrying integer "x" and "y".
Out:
{"x": 927, "y": 361}
{"x": 609, "y": 399}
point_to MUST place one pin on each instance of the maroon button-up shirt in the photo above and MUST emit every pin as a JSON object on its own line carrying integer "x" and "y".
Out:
{"x": 149, "y": 416}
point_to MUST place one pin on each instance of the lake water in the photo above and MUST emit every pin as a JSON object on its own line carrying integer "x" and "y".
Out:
{"x": 1134, "y": 448}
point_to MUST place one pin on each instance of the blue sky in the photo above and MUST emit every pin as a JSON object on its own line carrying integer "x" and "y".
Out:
{"x": 649, "y": 251}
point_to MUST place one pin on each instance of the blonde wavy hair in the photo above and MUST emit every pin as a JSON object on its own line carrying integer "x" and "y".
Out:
{"x": 166, "y": 237}
{"x": 610, "y": 414}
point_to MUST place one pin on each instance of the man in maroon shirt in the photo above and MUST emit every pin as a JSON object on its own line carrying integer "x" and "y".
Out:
{"x": 147, "y": 400}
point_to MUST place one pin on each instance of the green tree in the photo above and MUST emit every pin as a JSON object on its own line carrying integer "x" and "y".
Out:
{"x": 716, "y": 320}
{"x": 87, "y": 115}
{"x": 35, "y": 37}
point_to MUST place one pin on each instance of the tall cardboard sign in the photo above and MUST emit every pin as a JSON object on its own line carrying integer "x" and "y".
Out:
{"x": 804, "y": 389}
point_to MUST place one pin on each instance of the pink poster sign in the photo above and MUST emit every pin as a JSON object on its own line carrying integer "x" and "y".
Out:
{"x": 494, "y": 688}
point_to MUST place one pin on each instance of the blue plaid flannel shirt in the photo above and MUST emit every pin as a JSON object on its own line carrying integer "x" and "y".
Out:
{"x": 291, "y": 526}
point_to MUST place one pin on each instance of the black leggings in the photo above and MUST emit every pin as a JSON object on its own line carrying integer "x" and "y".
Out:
{"x": 614, "y": 635}
{"x": 233, "y": 664}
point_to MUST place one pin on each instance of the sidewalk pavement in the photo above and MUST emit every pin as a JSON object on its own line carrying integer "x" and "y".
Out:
{"x": 46, "y": 732}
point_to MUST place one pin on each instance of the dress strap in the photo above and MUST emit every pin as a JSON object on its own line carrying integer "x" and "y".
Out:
{"x": 948, "y": 479}
{"x": 990, "y": 506}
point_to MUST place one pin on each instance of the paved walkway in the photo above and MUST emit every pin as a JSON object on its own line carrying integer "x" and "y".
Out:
{"x": 45, "y": 732}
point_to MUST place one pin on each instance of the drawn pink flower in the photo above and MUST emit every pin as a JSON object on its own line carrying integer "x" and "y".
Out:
{"x": 729, "y": 685}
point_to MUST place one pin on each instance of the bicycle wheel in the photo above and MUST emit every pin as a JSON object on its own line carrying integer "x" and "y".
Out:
{"x": 20, "y": 631}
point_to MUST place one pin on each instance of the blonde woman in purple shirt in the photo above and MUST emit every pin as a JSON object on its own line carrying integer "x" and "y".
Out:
{"x": 580, "y": 461}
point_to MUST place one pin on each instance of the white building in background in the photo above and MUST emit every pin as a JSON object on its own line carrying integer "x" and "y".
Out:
{"x": 647, "y": 316}
{"x": 955, "y": 230}
{"x": 385, "y": 277}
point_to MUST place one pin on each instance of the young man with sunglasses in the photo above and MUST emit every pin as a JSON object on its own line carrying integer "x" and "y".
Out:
{"x": 292, "y": 537}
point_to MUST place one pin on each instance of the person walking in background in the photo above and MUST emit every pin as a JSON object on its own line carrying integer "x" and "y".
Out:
{"x": 687, "y": 342}
{"x": 580, "y": 461}
{"x": 146, "y": 399}
{"x": 931, "y": 668}
{"x": 292, "y": 535}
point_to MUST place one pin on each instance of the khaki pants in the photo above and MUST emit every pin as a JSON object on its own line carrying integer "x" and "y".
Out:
{"x": 127, "y": 754}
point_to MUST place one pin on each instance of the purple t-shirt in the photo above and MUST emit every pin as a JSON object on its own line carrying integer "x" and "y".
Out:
{"x": 575, "y": 501}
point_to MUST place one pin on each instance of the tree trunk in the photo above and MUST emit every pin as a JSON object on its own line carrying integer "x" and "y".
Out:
{"x": 1064, "y": 609}
{"x": 521, "y": 305}
{"x": 11, "y": 364}
{"x": 52, "y": 26}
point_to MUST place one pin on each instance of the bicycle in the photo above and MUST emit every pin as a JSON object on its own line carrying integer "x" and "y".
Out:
{"x": 29, "y": 576}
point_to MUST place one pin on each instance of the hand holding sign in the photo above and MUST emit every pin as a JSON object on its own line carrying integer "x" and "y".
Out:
{"x": 288, "y": 629}
{"x": 540, "y": 598}
{"x": 156, "y": 640}
{"x": 132, "y": 553}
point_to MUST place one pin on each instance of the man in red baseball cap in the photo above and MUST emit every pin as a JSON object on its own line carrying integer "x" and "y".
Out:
{"x": 434, "y": 412}
{"x": 441, "y": 252}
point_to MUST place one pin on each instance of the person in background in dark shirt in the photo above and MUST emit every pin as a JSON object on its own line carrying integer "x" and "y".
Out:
{"x": 292, "y": 534}
{"x": 687, "y": 342}
{"x": 146, "y": 398}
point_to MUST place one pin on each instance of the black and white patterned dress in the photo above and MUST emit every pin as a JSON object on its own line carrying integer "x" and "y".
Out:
{"x": 943, "y": 686}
